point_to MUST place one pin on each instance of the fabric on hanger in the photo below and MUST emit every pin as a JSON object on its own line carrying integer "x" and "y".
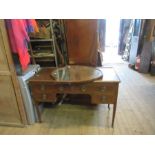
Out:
{"x": 18, "y": 30}
{"x": 32, "y": 25}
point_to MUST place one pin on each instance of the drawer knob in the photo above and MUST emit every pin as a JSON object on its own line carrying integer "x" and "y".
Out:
{"x": 42, "y": 87}
{"x": 103, "y": 89}
{"x": 61, "y": 89}
{"x": 44, "y": 96}
{"x": 103, "y": 98}
{"x": 83, "y": 89}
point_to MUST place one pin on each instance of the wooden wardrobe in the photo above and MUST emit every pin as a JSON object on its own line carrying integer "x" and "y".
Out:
{"x": 82, "y": 37}
{"x": 11, "y": 105}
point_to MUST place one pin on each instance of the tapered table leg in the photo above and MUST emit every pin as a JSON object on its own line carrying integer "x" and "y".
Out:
{"x": 114, "y": 112}
{"x": 38, "y": 112}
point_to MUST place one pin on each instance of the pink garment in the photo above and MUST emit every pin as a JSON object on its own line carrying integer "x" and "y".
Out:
{"x": 18, "y": 35}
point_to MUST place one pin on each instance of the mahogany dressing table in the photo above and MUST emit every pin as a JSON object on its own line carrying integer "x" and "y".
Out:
{"x": 101, "y": 83}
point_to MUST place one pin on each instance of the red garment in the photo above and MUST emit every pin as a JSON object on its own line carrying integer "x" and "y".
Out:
{"x": 18, "y": 35}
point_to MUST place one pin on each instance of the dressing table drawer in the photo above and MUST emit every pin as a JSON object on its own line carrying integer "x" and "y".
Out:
{"x": 101, "y": 99}
{"x": 96, "y": 88}
{"x": 42, "y": 88}
{"x": 58, "y": 88}
{"x": 44, "y": 97}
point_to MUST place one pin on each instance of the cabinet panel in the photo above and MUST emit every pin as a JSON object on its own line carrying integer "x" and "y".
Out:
{"x": 8, "y": 105}
{"x": 3, "y": 60}
{"x": 81, "y": 37}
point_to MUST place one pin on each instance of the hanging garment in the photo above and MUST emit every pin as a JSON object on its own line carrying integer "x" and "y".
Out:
{"x": 31, "y": 25}
{"x": 18, "y": 30}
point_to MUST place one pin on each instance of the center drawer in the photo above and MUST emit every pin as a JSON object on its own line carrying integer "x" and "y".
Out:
{"x": 89, "y": 88}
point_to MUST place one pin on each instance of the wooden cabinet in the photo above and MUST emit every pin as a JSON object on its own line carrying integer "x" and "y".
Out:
{"x": 81, "y": 35}
{"x": 11, "y": 105}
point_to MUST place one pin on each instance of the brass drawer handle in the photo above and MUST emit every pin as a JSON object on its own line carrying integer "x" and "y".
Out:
{"x": 83, "y": 89}
{"x": 61, "y": 89}
{"x": 103, "y": 89}
{"x": 103, "y": 98}
{"x": 42, "y": 87}
{"x": 44, "y": 96}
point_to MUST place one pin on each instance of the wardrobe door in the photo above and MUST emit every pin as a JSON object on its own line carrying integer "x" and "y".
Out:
{"x": 9, "y": 112}
{"x": 81, "y": 38}
{"x": 11, "y": 105}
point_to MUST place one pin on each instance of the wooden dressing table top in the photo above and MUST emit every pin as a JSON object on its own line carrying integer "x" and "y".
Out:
{"x": 76, "y": 74}
{"x": 108, "y": 75}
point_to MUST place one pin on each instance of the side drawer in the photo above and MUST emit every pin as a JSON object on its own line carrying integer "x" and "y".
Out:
{"x": 44, "y": 97}
{"x": 102, "y": 99}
